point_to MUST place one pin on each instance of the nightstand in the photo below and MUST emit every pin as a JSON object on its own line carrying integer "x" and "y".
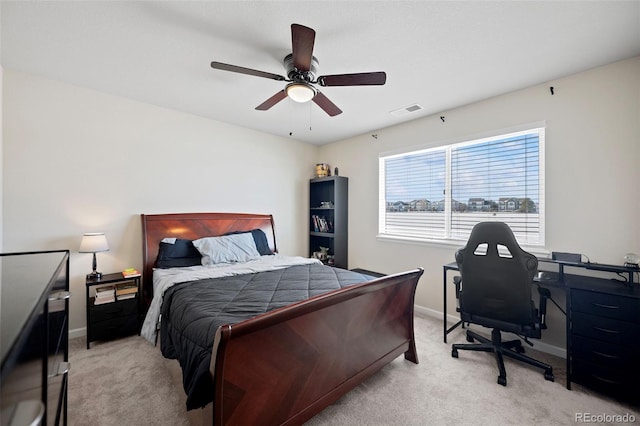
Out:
{"x": 117, "y": 318}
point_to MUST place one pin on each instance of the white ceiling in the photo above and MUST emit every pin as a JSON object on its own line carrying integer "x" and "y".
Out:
{"x": 438, "y": 54}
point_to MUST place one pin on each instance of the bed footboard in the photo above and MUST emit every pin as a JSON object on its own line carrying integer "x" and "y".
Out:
{"x": 287, "y": 365}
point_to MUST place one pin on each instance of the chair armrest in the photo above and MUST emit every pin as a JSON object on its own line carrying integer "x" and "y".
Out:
{"x": 544, "y": 295}
{"x": 457, "y": 280}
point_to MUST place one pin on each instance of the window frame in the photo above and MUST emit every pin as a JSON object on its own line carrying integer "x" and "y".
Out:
{"x": 447, "y": 147}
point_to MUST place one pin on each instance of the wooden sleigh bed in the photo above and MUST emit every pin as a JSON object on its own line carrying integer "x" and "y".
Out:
{"x": 288, "y": 364}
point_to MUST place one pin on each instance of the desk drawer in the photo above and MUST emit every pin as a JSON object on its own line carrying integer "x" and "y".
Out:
{"x": 606, "y": 329}
{"x": 606, "y": 305}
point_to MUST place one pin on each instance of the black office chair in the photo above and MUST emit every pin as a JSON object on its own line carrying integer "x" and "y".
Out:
{"x": 494, "y": 291}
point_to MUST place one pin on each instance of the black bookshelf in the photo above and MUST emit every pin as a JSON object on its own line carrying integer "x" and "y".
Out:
{"x": 328, "y": 218}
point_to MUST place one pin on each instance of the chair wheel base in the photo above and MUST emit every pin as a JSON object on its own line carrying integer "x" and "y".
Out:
{"x": 502, "y": 381}
{"x": 548, "y": 375}
{"x": 454, "y": 353}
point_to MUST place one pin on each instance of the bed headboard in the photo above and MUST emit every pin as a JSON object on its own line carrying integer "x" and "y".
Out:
{"x": 192, "y": 226}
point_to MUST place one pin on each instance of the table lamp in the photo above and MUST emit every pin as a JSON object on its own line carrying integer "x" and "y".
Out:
{"x": 94, "y": 242}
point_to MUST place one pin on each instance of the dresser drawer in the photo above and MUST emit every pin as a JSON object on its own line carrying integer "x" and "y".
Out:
{"x": 604, "y": 353}
{"x": 108, "y": 311}
{"x": 606, "y": 305}
{"x": 606, "y": 329}
{"x": 612, "y": 380}
{"x": 114, "y": 327}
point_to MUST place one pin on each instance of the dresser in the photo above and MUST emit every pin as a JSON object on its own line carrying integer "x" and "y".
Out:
{"x": 34, "y": 330}
{"x": 603, "y": 336}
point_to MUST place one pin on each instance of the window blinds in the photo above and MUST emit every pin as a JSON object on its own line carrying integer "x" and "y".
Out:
{"x": 442, "y": 193}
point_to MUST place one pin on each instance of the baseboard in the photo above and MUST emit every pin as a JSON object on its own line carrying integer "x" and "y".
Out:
{"x": 77, "y": 332}
{"x": 538, "y": 345}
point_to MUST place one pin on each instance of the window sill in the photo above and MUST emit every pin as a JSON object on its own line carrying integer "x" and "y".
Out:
{"x": 537, "y": 251}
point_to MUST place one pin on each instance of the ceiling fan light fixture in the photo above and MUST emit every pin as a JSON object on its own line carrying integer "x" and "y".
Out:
{"x": 300, "y": 92}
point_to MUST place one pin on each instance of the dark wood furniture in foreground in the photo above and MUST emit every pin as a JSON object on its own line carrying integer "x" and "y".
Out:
{"x": 309, "y": 353}
{"x": 116, "y": 319}
{"x": 34, "y": 327}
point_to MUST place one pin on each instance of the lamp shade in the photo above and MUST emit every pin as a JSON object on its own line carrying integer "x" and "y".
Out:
{"x": 300, "y": 92}
{"x": 93, "y": 242}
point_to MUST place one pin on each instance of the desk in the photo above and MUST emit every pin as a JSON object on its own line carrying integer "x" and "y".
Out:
{"x": 445, "y": 268}
{"x": 603, "y": 326}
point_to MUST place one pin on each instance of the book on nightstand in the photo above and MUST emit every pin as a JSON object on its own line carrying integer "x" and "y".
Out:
{"x": 126, "y": 296}
{"x": 126, "y": 290}
{"x": 105, "y": 295}
{"x": 130, "y": 273}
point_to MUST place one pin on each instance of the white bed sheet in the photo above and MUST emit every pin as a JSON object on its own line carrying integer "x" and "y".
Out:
{"x": 165, "y": 278}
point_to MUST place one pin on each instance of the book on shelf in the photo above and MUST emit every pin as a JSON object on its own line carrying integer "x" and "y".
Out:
{"x": 105, "y": 295}
{"x": 131, "y": 273}
{"x": 105, "y": 291}
{"x": 126, "y": 296}
{"x": 126, "y": 288}
{"x": 321, "y": 224}
{"x": 103, "y": 300}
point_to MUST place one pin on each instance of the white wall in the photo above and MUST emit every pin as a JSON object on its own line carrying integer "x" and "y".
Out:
{"x": 76, "y": 161}
{"x": 1, "y": 156}
{"x": 1, "y": 173}
{"x": 592, "y": 173}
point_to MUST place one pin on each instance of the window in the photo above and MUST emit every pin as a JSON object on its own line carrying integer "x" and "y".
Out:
{"x": 439, "y": 194}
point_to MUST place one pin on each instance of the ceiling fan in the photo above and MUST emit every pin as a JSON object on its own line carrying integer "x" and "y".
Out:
{"x": 301, "y": 68}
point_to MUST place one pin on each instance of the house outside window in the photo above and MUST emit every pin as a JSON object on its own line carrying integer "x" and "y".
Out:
{"x": 439, "y": 194}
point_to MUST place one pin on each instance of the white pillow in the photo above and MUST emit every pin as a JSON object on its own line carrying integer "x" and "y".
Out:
{"x": 227, "y": 249}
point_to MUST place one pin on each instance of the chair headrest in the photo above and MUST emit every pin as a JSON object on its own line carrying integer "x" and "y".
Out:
{"x": 495, "y": 234}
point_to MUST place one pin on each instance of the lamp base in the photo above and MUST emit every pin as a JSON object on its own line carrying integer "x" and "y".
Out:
{"x": 94, "y": 275}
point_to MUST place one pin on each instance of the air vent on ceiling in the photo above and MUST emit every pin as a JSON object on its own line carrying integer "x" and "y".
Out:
{"x": 406, "y": 110}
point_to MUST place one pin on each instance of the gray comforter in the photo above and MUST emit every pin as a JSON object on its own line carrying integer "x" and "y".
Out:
{"x": 193, "y": 311}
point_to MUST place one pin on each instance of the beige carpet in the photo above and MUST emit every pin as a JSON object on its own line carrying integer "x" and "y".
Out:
{"x": 125, "y": 382}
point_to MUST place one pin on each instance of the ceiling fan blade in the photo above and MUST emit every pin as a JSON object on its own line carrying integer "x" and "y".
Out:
{"x": 248, "y": 71}
{"x": 272, "y": 101}
{"x": 329, "y": 107}
{"x": 358, "y": 79}
{"x": 302, "y": 39}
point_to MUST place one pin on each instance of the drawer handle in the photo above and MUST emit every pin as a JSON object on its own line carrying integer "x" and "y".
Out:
{"x": 27, "y": 413}
{"x": 606, "y": 355}
{"x": 599, "y": 305}
{"x": 604, "y": 330}
{"x": 61, "y": 295}
{"x": 602, "y": 379}
{"x": 61, "y": 369}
